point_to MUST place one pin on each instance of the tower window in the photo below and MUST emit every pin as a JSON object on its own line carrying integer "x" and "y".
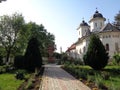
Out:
{"x": 95, "y": 24}
{"x": 101, "y": 24}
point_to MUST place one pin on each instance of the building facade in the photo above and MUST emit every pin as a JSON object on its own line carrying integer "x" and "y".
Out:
{"x": 108, "y": 34}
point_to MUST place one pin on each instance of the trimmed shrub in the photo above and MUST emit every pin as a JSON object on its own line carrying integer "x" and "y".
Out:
{"x": 96, "y": 56}
{"x": 19, "y": 62}
{"x": 1, "y": 60}
{"x": 32, "y": 56}
{"x": 19, "y": 76}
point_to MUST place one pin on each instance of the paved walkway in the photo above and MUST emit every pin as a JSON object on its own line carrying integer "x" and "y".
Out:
{"x": 55, "y": 78}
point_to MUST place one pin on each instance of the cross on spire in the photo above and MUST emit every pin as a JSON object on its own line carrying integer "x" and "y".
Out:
{"x": 108, "y": 21}
{"x": 96, "y": 8}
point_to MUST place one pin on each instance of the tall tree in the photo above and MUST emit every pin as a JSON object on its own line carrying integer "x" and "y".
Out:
{"x": 117, "y": 20}
{"x": 30, "y": 30}
{"x": 33, "y": 57}
{"x": 96, "y": 56}
{"x": 9, "y": 31}
{"x": 24, "y": 36}
{"x": 44, "y": 38}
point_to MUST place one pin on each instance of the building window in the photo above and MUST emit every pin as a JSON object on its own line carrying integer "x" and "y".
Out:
{"x": 107, "y": 47}
{"x": 116, "y": 47}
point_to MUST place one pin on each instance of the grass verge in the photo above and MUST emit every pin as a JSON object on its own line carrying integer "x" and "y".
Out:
{"x": 9, "y": 82}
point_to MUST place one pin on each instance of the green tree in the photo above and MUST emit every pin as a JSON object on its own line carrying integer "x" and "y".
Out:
{"x": 44, "y": 38}
{"x": 32, "y": 56}
{"x": 9, "y": 31}
{"x": 57, "y": 55}
{"x": 117, "y": 17}
{"x": 24, "y": 36}
{"x": 117, "y": 20}
{"x": 96, "y": 56}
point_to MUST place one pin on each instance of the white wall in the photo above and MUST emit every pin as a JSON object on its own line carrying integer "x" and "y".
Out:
{"x": 100, "y": 24}
{"x": 82, "y": 30}
{"x": 80, "y": 46}
{"x": 111, "y": 38}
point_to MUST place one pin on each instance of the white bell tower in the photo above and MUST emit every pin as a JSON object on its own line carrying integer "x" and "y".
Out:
{"x": 96, "y": 22}
{"x": 83, "y": 29}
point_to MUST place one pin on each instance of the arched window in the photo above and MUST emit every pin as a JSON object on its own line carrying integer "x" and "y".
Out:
{"x": 84, "y": 49}
{"x": 107, "y": 47}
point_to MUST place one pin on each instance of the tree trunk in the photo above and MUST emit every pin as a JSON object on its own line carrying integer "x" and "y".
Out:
{"x": 7, "y": 56}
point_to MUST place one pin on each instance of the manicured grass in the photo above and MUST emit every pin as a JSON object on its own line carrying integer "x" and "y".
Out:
{"x": 9, "y": 82}
{"x": 114, "y": 80}
{"x": 110, "y": 76}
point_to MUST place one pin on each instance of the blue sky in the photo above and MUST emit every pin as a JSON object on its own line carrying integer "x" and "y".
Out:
{"x": 61, "y": 17}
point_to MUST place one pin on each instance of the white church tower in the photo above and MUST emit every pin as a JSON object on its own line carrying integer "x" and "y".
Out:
{"x": 96, "y": 22}
{"x": 83, "y": 29}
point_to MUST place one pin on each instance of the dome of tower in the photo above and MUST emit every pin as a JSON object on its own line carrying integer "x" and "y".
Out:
{"x": 97, "y": 14}
{"x": 83, "y": 23}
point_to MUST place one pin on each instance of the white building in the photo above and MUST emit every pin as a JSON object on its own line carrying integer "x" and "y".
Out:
{"x": 108, "y": 33}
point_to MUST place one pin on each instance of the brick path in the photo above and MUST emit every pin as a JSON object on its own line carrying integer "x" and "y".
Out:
{"x": 55, "y": 78}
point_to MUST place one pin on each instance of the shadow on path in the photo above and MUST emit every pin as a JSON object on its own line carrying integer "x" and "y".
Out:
{"x": 55, "y": 78}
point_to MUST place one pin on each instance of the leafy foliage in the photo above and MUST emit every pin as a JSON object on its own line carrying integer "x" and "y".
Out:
{"x": 96, "y": 56}
{"x": 9, "y": 29}
{"x": 33, "y": 57}
{"x": 44, "y": 38}
{"x": 117, "y": 17}
{"x": 116, "y": 57}
{"x": 14, "y": 31}
{"x": 117, "y": 20}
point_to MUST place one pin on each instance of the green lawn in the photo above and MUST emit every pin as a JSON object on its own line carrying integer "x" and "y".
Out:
{"x": 113, "y": 72}
{"x": 114, "y": 80}
{"x": 9, "y": 82}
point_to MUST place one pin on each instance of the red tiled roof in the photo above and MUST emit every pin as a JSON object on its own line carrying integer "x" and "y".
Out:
{"x": 73, "y": 46}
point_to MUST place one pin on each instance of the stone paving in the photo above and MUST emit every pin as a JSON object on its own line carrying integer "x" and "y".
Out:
{"x": 55, "y": 78}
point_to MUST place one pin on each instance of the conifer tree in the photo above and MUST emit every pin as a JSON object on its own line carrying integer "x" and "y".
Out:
{"x": 96, "y": 56}
{"x": 33, "y": 57}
